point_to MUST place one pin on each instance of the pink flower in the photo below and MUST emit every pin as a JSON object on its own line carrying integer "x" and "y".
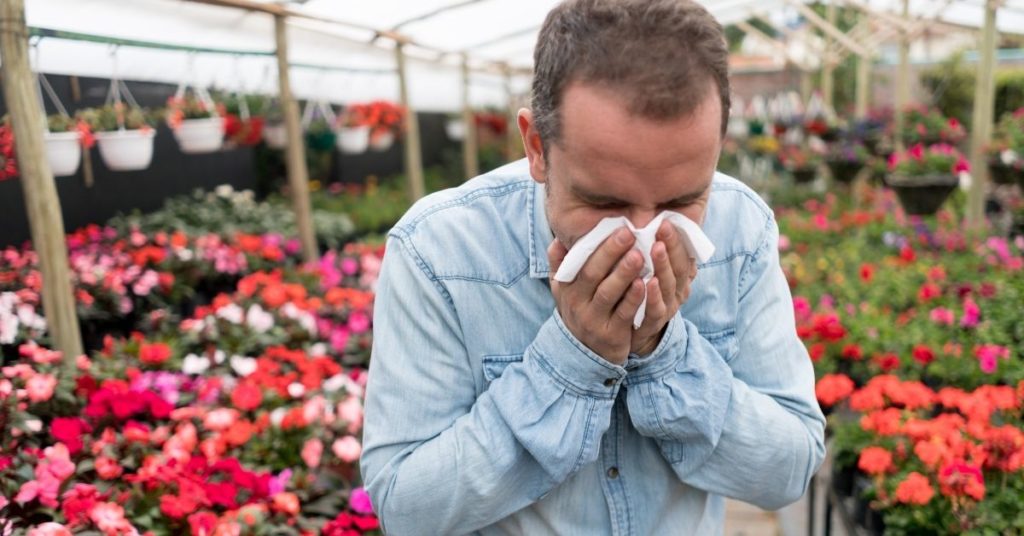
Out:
{"x": 109, "y": 518}
{"x": 943, "y": 316}
{"x": 359, "y": 322}
{"x": 220, "y": 419}
{"x": 972, "y": 314}
{"x": 349, "y": 266}
{"x": 347, "y": 449}
{"x": 311, "y": 452}
{"x": 961, "y": 166}
{"x": 916, "y": 152}
{"x": 49, "y": 529}
{"x": 988, "y": 356}
{"x": 351, "y": 411}
{"x": 359, "y": 501}
{"x": 40, "y": 387}
{"x": 107, "y": 468}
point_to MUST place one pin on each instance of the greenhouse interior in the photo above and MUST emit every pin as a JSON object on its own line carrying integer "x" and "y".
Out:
{"x": 304, "y": 267}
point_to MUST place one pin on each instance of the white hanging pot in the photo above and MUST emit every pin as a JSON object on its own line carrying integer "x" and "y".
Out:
{"x": 126, "y": 150}
{"x": 382, "y": 142}
{"x": 456, "y": 129}
{"x": 64, "y": 152}
{"x": 197, "y": 136}
{"x": 353, "y": 140}
{"x": 275, "y": 135}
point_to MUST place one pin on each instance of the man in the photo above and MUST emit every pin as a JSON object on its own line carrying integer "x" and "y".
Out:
{"x": 501, "y": 401}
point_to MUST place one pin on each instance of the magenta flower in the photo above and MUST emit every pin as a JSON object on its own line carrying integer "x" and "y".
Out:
{"x": 359, "y": 501}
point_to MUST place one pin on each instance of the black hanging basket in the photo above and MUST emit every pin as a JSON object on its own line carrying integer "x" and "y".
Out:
{"x": 844, "y": 171}
{"x": 922, "y": 196}
{"x": 804, "y": 175}
{"x": 1001, "y": 173}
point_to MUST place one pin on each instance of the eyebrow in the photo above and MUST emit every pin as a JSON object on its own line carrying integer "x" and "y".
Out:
{"x": 603, "y": 199}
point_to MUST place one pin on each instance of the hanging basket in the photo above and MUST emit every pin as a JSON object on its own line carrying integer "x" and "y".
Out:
{"x": 1001, "y": 173}
{"x": 922, "y": 196}
{"x": 382, "y": 142}
{"x": 275, "y": 135}
{"x": 353, "y": 140}
{"x": 197, "y": 136}
{"x": 456, "y": 129}
{"x": 63, "y": 151}
{"x": 844, "y": 171}
{"x": 126, "y": 150}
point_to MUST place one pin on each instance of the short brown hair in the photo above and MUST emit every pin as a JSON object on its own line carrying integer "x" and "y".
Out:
{"x": 661, "y": 55}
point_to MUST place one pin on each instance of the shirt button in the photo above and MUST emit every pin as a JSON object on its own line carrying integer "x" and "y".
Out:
{"x": 609, "y": 382}
{"x": 613, "y": 472}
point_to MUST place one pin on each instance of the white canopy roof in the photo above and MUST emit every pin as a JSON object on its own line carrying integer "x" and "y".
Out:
{"x": 355, "y": 66}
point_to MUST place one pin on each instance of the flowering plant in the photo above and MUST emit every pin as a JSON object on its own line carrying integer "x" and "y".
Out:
{"x": 938, "y": 159}
{"x": 381, "y": 116}
{"x": 8, "y": 161}
{"x": 190, "y": 107}
{"x": 1007, "y": 145}
{"x": 852, "y": 152}
{"x": 800, "y": 157}
{"x": 929, "y": 126}
{"x": 109, "y": 118}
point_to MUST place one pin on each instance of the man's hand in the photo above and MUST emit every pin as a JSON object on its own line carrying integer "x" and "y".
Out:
{"x": 667, "y": 291}
{"x": 599, "y": 305}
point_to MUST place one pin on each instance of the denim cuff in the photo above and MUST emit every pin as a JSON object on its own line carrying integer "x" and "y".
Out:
{"x": 572, "y": 364}
{"x": 662, "y": 360}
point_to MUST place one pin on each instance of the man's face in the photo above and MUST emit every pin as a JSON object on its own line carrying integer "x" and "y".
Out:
{"x": 609, "y": 162}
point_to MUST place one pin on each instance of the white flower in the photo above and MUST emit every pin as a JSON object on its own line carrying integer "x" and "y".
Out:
{"x": 224, "y": 190}
{"x": 318, "y": 350}
{"x": 184, "y": 254}
{"x": 243, "y": 366}
{"x": 1008, "y": 157}
{"x": 231, "y": 312}
{"x": 258, "y": 319}
{"x": 296, "y": 390}
{"x": 8, "y": 328}
{"x": 219, "y": 356}
{"x": 277, "y": 416}
{"x": 195, "y": 364}
{"x": 965, "y": 181}
{"x": 33, "y": 425}
{"x": 334, "y": 383}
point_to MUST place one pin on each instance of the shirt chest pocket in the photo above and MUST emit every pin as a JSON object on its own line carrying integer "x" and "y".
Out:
{"x": 494, "y": 365}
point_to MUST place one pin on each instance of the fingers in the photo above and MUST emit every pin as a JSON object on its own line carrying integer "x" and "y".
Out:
{"x": 604, "y": 259}
{"x": 664, "y": 273}
{"x": 630, "y": 304}
{"x": 556, "y": 254}
{"x": 684, "y": 268}
{"x": 610, "y": 291}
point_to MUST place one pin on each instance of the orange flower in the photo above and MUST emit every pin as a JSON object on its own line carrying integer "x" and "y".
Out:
{"x": 286, "y": 503}
{"x": 916, "y": 489}
{"x": 932, "y": 453}
{"x": 875, "y": 461}
{"x": 154, "y": 354}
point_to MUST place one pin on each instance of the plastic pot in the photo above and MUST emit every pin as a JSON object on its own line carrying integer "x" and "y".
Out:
{"x": 63, "y": 151}
{"x": 126, "y": 150}
{"x": 197, "y": 136}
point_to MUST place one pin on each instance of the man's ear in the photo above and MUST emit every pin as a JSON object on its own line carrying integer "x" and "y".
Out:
{"x": 532, "y": 144}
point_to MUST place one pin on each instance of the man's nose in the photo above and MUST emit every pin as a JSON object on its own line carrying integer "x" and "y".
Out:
{"x": 640, "y": 217}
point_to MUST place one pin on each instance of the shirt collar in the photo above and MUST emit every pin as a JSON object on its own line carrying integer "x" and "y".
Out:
{"x": 540, "y": 233}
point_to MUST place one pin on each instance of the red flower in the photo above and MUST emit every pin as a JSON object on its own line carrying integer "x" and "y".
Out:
{"x": 155, "y": 353}
{"x": 875, "y": 461}
{"x": 853, "y": 351}
{"x": 960, "y": 479}
{"x": 928, "y": 291}
{"x": 69, "y": 430}
{"x": 916, "y": 489}
{"x": 907, "y": 254}
{"x": 247, "y": 396}
{"x": 202, "y": 523}
{"x": 887, "y": 362}
{"x": 867, "y": 272}
{"x": 833, "y": 388}
{"x": 923, "y": 354}
{"x": 816, "y": 351}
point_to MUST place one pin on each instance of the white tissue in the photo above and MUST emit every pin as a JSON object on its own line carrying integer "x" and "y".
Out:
{"x": 696, "y": 242}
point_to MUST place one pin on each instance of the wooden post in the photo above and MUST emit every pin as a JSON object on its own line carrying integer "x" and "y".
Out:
{"x": 863, "y": 86}
{"x": 981, "y": 129}
{"x": 902, "y": 90}
{"x": 413, "y": 156}
{"x": 295, "y": 153}
{"x": 470, "y": 159}
{"x": 41, "y": 201}
{"x": 828, "y": 67}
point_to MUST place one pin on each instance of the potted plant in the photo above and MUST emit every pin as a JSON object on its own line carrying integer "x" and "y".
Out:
{"x": 64, "y": 139}
{"x": 386, "y": 120}
{"x": 353, "y": 130}
{"x": 274, "y": 133}
{"x": 929, "y": 126}
{"x": 198, "y": 124}
{"x": 924, "y": 178}
{"x": 1006, "y": 152}
{"x": 845, "y": 160}
{"x": 124, "y": 135}
{"x": 801, "y": 161}
{"x": 243, "y": 119}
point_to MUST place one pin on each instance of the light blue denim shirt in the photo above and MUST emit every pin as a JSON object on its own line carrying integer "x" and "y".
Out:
{"x": 485, "y": 415}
